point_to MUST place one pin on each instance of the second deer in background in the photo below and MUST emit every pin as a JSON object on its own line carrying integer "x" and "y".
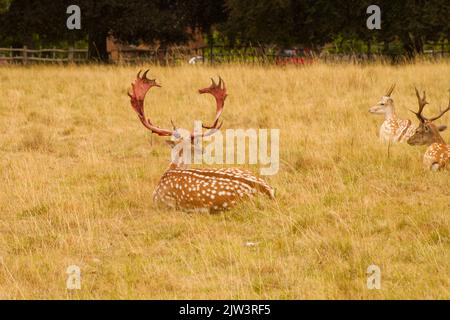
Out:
{"x": 427, "y": 133}
{"x": 393, "y": 129}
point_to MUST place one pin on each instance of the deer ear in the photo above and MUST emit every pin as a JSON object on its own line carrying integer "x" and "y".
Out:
{"x": 442, "y": 127}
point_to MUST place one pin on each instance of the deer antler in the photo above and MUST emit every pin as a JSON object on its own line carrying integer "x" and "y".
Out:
{"x": 219, "y": 92}
{"x": 442, "y": 113}
{"x": 140, "y": 88}
{"x": 422, "y": 103}
{"x": 390, "y": 90}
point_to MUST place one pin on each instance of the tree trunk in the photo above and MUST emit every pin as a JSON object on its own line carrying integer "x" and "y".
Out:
{"x": 413, "y": 45}
{"x": 97, "y": 47}
{"x": 408, "y": 46}
{"x": 409, "y": 49}
{"x": 211, "y": 47}
{"x": 418, "y": 44}
{"x": 385, "y": 47}
{"x": 28, "y": 41}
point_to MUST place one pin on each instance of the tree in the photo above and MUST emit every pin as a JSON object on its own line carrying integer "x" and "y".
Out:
{"x": 311, "y": 23}
{"x": 316, "y": 22}
{"x": 284, "y": 22}
{"x": 4, "y": 5}
{"x": 130, "y": 21}
{"x": 420, "y": 21}
{"x": 411, "y": 22}
{"x": 204, "y": 14}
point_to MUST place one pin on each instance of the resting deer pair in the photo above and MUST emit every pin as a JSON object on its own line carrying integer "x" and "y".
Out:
{"x": 397, "y": 130}
{"x": 196, "y": 189}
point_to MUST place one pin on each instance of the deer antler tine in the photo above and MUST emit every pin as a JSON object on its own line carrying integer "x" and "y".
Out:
{"x": 442, "y": 112}
{"x": 144, "y": 76}
{"x": 417, "y": 93}
{"x": 173, "y": 125}
{"x": 422, "y": 103}
{"x": 213, "y": 126}
{"x": 391, "y": 89}
{"x": 139, "y": 74}
{"x": 213, "y": 82}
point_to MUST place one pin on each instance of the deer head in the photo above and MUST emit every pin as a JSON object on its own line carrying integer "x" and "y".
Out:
{"x": 385, "y": 105}
{"x": 142, "y": 85}
{"x": 427, "y": 132}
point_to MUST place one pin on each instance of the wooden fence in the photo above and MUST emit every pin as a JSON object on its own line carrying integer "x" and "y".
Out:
{"x": 25, "y": 55}
{"x": 165, "y": 56}
{"x": 210, "y": 55}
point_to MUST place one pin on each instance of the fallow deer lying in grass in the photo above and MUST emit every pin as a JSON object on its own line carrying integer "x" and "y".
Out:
{"x": 197, "y": 189}
{"x": 437, "y": 155}
{"x": 393, "y": 129}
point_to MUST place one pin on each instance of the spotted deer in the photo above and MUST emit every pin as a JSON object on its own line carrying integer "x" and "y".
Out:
{"x": 437, "y": 155}
{"x": 200, "y": 189}
{"x": 393, "y": 129}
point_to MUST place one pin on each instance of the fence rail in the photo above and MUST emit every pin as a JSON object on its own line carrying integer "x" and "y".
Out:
{"x": 216, "y": 54}
{"x": 25, "y": 55}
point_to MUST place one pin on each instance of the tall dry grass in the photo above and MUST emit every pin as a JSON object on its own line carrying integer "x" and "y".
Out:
{"x": 77, "y": 171}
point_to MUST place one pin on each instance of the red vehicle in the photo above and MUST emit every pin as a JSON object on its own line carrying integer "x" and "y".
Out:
{"x": 294, "y": 57}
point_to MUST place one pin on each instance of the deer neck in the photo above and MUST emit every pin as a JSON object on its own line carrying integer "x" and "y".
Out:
{"x": 437, "y": 138}
{"x": 390, "y": 113}
{"x": 177, "y": 160}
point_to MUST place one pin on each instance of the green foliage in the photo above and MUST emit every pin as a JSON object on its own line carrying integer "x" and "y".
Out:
{"x": 406, "y": 26}
{"x": 314, "y": 23}
{"x": 282, "y": 22}
{"x": 134, "y": 21}
{"x": 4, "y": 5}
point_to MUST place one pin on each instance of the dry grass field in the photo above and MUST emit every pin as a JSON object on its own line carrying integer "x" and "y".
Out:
{"x": 77, "y": 171}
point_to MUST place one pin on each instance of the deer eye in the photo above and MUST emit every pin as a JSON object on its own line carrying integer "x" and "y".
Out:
{"x": 382, "y": 103}
{"x": 427, "y": 129}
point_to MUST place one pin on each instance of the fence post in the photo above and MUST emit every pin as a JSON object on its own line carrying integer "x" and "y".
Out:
{"x": 11, "y": 53}
{"x": 211, "y": 59}
{"x": 24, "y": 55}
{"x": 53, "y": 53}
{"x": 211, "y": 48}
{"x": 166, "y": 56}
{"x": 70, "y": 57}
